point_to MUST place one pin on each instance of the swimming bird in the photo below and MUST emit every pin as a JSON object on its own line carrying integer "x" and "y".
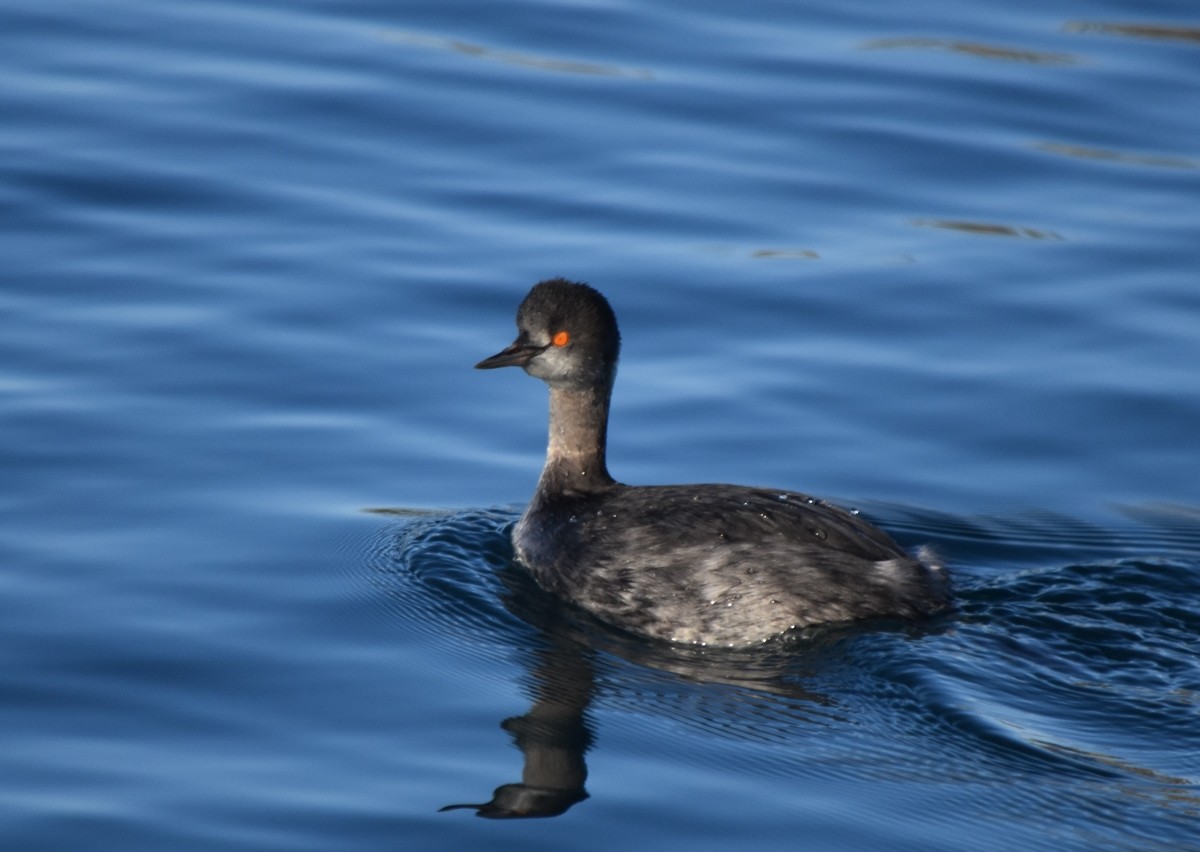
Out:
{"x": 724, "y": 565}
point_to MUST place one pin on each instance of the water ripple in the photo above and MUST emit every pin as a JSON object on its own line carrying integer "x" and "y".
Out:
{"x": 510, "y": 57}
{"x": 1160, "y": 32}
{"x": 976, "y": 49}
{"x": 1080, "y": 670}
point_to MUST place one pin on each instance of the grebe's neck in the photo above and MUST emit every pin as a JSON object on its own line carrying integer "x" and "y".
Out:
{"x": 575, "y": 456}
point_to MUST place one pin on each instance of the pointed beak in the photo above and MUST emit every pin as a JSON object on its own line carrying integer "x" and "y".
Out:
{"x": 517, "y": 355}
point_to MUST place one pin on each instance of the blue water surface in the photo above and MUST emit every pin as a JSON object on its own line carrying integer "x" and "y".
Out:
{"x": 937, "y": 261}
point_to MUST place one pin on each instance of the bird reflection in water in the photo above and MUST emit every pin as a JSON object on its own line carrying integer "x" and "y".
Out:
{"x": 553, "y": 736}
{"x": 754, "y": 690}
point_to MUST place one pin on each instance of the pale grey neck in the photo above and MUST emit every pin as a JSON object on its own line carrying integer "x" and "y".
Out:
{"x": 575, "y": 455}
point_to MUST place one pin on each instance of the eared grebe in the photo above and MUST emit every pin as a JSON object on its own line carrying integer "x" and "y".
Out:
{"x": 705, "y": 564}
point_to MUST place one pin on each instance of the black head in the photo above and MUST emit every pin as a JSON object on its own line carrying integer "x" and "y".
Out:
{"x": 566, "y": 335}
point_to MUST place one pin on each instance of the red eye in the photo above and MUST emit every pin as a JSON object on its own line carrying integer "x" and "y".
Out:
{"x": 561, "y": 339}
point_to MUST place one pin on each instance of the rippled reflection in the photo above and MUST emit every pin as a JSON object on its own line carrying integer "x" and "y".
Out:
{"x": 987, "y": 229}
{"x": 553, "y": 738}
{"x": 1089, "y": 153}
{"x": 971, "y": 48}
{"x": 1154, "y": 31}
{"x": 791, "y": 254}
{"x": 509, "y": 57}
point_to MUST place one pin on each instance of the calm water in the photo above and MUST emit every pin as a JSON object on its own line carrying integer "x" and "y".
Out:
{"x": 939, "y": 263}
